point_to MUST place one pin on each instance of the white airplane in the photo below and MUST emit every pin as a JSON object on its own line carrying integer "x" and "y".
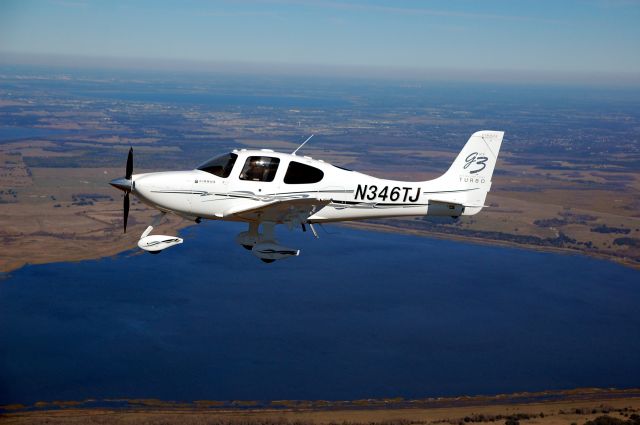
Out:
{"x": 265, "y": 188}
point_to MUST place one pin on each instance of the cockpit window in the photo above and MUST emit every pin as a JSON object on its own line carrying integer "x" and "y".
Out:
{"x": 299, "y": 173}
{"x": 260, "y": 168}
{"x": 220, "y": 166}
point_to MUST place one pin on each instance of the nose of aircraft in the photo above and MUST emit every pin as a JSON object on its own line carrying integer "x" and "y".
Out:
{"x": 122, "y": 183}
{"x": 143, "y": 185}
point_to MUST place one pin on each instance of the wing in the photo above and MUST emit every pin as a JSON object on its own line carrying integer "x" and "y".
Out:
{"x": 291, "y": 211}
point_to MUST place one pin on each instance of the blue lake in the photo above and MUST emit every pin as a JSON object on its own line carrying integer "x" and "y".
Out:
{"x": 16, "y": 133}
{"x": 358, "y": 315}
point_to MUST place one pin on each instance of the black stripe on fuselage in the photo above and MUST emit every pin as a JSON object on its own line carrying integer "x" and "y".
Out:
{"x": 182, "y": 192}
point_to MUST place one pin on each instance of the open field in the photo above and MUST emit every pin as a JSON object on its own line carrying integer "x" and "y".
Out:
{"x": 69, "y": 215}
{"x": 546, "y": 408}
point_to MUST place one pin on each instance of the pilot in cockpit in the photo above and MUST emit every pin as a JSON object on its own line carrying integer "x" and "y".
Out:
{"x": 254, "y": 171}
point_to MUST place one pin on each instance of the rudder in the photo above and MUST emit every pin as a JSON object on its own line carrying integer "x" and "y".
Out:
{"x": 469, "y": 178}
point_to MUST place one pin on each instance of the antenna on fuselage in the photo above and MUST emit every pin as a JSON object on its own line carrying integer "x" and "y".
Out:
{"x": 303, "y": 143}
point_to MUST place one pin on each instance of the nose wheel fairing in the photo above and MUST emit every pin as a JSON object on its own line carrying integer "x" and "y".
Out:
{"x": 155, "y": 244}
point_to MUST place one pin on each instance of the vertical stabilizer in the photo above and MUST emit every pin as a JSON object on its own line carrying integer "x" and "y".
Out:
{"x": 469, "y": 178}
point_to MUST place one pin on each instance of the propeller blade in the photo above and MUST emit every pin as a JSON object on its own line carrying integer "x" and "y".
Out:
{"x": 129, "y": 171}
{"x": 126, "y": 210}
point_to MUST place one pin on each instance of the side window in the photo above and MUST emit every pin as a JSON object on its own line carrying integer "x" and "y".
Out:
{"x": 299, "y": 173}
{"x": 260, "y": 168}
{"x": 220, "y": 166}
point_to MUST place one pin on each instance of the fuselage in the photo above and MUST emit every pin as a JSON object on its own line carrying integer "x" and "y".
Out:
{"x": 244, "y": 178}
{"x": 266, "y": 188}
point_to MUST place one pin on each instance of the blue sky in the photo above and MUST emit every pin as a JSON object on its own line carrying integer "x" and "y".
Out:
{"x": 584, "y": 36}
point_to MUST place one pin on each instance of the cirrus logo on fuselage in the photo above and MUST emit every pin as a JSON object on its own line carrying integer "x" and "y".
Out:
{"x": 475, "y": 158}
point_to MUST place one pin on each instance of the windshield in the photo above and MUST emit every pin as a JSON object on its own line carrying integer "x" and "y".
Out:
{"x": 220, "y": 166}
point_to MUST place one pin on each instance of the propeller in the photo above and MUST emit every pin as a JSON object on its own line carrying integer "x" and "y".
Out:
{"x": 125, "y": 184}
{"x": 129, "y": 169}
{"x": 125, "y": 207}
{"x": 127, "y": 175}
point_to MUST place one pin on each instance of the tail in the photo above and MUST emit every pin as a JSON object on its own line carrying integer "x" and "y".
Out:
{"x": 468, "y": 180}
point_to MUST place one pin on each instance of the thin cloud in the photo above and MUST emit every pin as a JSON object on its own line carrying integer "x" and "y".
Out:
{"x": 221, "y": 14}
{"x": 64, "y": 3}
{"x": 341, "y": 5}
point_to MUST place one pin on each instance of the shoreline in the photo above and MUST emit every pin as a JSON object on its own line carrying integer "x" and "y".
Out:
{"x": 542, "y": 408}
{"x": 363, "y": 225}
{"x": 370, "y": 226}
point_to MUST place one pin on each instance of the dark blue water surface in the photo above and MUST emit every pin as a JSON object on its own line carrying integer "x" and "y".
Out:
{"x": 359, "y": 314}
{"x": 15, "y": 133}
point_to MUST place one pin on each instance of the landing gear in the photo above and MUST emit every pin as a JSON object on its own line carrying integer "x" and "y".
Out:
{"x": 264, "y": 245}
{"x": 249, "y": 238}
{"x": 155, "y": 244}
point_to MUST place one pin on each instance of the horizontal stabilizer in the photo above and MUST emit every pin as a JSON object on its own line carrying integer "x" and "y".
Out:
{"x": 445, "y": 208}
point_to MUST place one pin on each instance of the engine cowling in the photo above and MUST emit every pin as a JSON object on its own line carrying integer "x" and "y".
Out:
{"x": 270, "y": 251}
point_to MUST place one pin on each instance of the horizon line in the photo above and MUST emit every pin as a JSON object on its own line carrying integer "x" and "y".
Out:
{"x": 434, "y": 74}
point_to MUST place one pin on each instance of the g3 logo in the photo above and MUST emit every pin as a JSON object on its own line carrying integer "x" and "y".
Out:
{"x": 478, "y": 160}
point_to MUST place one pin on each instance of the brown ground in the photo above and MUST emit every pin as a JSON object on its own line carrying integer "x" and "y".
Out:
{"x": 567, "y": 408}
{"x": 64, "y": 214}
